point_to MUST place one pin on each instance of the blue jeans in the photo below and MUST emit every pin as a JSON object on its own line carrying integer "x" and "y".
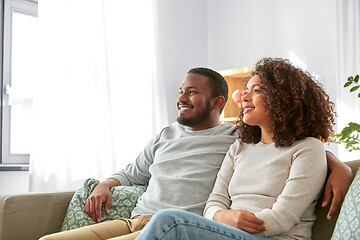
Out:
{"x": 178, "y": 224}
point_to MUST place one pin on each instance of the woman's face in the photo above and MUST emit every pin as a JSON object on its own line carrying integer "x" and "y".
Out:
{"x": 253, "y": 104}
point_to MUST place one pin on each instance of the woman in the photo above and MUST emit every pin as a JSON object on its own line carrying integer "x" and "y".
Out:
{"x": 272, "y": 176}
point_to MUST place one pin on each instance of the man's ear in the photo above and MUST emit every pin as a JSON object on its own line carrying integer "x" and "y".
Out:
{"x": 219, "y": 101}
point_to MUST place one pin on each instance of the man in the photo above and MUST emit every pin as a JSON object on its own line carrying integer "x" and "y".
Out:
{"x": 180, "y": 164}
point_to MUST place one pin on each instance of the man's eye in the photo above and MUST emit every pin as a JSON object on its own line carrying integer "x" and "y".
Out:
{"x": 192, "y": 92}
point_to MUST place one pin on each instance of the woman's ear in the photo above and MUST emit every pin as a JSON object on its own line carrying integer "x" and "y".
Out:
{"x": 219, "y": 102}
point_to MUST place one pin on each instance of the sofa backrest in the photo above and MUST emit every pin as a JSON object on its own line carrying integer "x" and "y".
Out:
{"x": 323, "y": 228}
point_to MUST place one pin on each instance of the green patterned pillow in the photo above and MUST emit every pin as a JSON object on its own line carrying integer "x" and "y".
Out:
{"x": 348, "y": 223}
{"x": 124, "y": 199}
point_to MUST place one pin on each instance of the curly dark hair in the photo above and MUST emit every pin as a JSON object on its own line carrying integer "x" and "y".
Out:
{"x": 296, "y": 104}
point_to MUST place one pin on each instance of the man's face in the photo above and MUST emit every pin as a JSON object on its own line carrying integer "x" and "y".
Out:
{"x": 194, "y": 101}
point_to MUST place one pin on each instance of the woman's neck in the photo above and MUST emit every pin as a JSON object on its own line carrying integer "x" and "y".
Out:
{"x": 267, "y": 136}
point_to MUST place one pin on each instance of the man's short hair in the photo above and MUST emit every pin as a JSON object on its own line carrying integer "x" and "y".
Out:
{"x": 217, "y": 82}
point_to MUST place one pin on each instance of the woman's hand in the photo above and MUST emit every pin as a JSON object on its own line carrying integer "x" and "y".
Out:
{"x": 240, "y": 219}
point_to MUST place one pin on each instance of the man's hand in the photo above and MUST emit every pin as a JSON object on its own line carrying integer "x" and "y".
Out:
{"x": 337, "y": 184}
{"x": 99, "y": 196}
{"x": 241, "y": 219}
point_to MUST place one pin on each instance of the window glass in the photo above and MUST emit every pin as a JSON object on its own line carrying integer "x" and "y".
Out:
{"x": 23, "y": 75}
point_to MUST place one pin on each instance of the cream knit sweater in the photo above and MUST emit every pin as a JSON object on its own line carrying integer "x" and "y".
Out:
{"x": 279, "y": 185}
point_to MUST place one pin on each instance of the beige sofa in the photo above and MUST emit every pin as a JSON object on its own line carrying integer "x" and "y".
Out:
{"x": 30, "y": 216}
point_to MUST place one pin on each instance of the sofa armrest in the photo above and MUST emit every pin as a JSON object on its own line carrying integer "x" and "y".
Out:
{"x": 30, "y": 216}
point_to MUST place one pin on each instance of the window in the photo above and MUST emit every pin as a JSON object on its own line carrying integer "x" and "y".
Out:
{"x": 18, "y": 73}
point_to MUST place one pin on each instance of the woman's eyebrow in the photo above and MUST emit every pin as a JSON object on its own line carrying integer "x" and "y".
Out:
{"x": 255, "y": 85}
{"x": 252, "y": 86}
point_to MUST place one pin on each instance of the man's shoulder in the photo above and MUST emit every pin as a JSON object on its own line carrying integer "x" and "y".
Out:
{"x": 171, "y": 131}
{"x": 177, "y": 130}
{"x": 173, "y": 127}
{"x": 221, "y": 129}
{"x": 227, "y": 125}
{"x": 226, "y": 129}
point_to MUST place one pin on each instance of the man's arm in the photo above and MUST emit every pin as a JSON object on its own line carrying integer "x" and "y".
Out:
{"x": 337, "y": 184}
{"x": 136, "y": 173}
{"x": 100, "y": 195}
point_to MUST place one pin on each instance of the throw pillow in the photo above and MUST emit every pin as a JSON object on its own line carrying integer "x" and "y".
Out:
{"x": 348, "y": 223}
{"x": 124, "y": 199}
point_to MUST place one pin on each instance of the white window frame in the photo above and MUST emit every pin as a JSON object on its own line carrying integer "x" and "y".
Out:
{"x": 8, "y": 7}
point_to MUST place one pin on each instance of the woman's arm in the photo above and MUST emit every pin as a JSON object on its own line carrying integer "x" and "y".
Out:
{"x": 218, "y": 204}
{"x": 337, "y": 184}
{"x": 219, "y": 198}
{"x": 302, "y": 188}
{"x": 241, "y": 219}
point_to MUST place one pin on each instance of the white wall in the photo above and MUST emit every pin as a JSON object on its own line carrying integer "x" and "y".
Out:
{"x": 236, "y": 33}
{"x": 182, "y": 27}
{"x": 14, "y": 182}
{"x": 241, "y": 32}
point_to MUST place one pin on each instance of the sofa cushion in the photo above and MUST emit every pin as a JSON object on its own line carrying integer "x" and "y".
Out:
{"x": 348, "y": 223}
{"x": 124, "y": 199}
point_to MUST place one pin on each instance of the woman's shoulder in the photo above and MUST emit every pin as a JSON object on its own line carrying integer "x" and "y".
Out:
{"x": 309, "y": 142}
{"x": 309, "y": 147}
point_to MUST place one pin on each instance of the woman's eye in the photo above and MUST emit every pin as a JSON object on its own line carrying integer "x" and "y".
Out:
{"x": 257, "y": 91}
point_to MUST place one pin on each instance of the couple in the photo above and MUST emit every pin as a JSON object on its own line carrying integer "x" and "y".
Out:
{"x": 268, "y": 183}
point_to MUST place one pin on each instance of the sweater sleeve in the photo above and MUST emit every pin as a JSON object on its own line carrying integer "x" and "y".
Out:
{"x": 302, "y": 188}
{"x": 219, "y": 198}
{"x": 137, "y": 173}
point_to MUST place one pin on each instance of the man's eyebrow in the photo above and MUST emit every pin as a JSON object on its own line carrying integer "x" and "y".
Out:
{"x": 189, "y": 87}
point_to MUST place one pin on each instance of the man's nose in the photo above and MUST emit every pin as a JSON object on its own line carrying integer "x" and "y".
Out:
{"x": 182, "y": 97}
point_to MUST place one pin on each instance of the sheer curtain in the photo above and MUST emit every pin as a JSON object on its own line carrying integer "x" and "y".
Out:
{"x": 348, "y": 21}
{"x": 94, "y": 108}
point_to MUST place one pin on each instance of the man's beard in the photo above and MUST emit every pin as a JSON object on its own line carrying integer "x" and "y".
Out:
{"x": 195, "y": 121}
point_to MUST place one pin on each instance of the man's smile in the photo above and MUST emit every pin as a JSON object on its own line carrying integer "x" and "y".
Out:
{"x": 184, "y": 108}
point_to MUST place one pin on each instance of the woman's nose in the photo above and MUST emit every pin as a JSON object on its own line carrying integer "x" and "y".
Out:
{"x": 245, "y": 97}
